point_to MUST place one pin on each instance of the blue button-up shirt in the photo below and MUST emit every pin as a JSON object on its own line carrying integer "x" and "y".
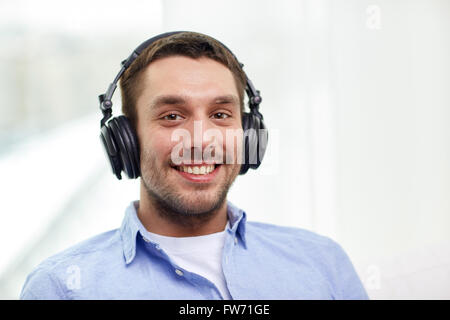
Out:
{"x": 260, "y": 261}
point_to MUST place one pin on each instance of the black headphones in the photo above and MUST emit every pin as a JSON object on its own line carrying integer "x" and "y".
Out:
{"x": 120, "y": 140}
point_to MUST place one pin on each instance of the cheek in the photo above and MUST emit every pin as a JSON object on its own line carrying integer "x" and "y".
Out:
{"x": 157, "y": 144}
{"x": 232, "y": 145}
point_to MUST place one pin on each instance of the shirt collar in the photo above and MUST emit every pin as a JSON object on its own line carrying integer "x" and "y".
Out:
{"x": 237, "y": 218}
{"x": 131, "y": 225}
{"x": 129, "y": 230}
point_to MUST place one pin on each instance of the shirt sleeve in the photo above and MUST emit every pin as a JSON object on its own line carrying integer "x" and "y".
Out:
{"x": 41, "y": 285}
{"x": 347, "y": 283}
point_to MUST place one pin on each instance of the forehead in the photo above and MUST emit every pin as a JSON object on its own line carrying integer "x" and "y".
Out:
{"x": 188, "y": 76}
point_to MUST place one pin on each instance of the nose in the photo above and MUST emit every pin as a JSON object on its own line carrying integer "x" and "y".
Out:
{"x": 206, "y": 138}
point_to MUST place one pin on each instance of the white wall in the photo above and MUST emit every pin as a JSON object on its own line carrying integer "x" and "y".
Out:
{"x": 393, "y": 142}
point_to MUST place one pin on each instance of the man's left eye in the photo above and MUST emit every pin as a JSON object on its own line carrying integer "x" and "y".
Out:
{"x": 220, "y": 115}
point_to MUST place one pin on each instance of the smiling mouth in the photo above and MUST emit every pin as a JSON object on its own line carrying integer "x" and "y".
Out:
{"x": 200, "y": 170}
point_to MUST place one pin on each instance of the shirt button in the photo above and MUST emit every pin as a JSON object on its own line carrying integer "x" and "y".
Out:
{"x": 235, "y": 240}
{"x": 179, "y": 272}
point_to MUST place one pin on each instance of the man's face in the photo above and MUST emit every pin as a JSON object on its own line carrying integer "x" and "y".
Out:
{"x": 181, "y": 94}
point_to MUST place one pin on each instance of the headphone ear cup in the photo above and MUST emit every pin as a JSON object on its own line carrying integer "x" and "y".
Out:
{"x": 131, "y": 144}
{"x": 246, "y": 118}
{"x": 111, "y": 151}
{"x": 255, "y": 141}
{"x": 262, "y": 138}
{"x": 120, "y": 140}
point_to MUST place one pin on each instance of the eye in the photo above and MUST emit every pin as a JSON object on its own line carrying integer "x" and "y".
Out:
{"x": 220, "y": 115}
{"x": 172, "y": 116}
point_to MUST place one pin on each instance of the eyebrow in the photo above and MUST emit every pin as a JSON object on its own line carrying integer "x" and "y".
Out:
{"x": 229, "y": 98}
{"x": 173, "y": 99}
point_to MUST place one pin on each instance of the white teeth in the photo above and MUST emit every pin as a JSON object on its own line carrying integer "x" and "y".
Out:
{"x": 197, "y": 170}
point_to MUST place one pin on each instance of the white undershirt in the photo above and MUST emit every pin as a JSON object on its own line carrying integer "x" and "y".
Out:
{"x": 201, "y": 255}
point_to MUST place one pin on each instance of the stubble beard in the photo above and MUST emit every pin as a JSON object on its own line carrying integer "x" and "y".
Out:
{"x": 185, "y": 209}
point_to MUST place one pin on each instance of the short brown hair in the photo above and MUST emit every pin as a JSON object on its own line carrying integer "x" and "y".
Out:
{"x": 189, "y": 44}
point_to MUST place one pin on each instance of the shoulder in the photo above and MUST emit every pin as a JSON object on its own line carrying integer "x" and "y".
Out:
{"x": 46, "y": 281}
{"x": 83, "y": 252}
{"x": 301, "y": 241}
{"x": 320, "y": 252}
{"x": 287, "y": 235}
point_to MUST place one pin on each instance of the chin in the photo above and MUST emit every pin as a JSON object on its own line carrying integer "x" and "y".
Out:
{"x": 178, "y": 196}
{"x": 198, "y": 202}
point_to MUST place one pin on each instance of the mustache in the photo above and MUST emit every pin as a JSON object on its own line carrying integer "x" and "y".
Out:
{"x": 212, "y": 155}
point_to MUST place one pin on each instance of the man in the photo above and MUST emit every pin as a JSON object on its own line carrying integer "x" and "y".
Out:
{"x": 183, "y": 239}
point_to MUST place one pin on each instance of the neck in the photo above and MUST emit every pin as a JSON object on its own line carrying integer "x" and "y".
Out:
{"x": 157, "y": 218}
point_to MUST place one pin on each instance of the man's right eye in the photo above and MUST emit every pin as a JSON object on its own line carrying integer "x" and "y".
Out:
{"x": 172, "y": 116}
